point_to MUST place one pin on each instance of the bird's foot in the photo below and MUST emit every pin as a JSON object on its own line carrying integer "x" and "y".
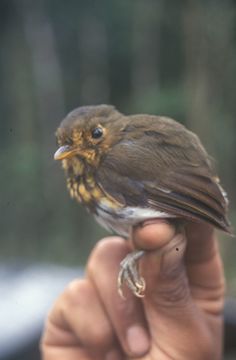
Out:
{"x": 130, "y": 276}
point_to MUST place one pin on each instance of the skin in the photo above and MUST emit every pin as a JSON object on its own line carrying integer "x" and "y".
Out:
{"x": 179, "y": 318}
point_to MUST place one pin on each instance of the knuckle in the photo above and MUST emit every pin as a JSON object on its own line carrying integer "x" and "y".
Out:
{"x": 73, "y": 289}
{"x": 171, "y": 292}
{"x": 108, "y": 244}
{"x": 104, "y": 250}
{"x": 79, "y": 299}
{"x": 77, "y": 292}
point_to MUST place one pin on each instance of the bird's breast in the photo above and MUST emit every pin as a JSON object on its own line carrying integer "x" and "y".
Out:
{"x": 108, "y": 211}
{"x": 91, "y": 194}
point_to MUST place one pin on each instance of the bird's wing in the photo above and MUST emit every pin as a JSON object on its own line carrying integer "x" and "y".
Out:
{"x": 190, "y": 191}
{"x": 192, "y": 196}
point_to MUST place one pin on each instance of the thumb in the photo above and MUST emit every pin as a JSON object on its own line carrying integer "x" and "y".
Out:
{"x": 173, "y": 317}
{"x": 162, "y": 268}
{"x": 165, "y": 274}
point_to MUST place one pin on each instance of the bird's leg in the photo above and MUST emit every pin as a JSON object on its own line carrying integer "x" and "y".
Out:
{"x": 129, "y": 274}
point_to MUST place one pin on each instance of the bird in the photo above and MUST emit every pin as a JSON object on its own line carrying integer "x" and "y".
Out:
{"x": 126, "y": 169}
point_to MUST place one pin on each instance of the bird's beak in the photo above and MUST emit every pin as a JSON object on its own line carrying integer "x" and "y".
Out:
{"x": 64, "y": 152}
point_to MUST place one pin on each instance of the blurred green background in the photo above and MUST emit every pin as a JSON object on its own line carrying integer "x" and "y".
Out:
{"x": 176, "y": 58}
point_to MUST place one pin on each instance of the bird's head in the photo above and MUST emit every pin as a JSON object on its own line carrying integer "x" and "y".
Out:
{"x": 87, "y": 133}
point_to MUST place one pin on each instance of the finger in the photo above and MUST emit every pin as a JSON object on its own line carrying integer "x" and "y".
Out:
{"x": 201, "y": 242}
{"x": 168, "y": 302}
{"x": 126, "y": 315}
{"x": 149, "y": 236}
{"x": 170, "y": 248}
{"x": 204, "y": 268}
{"x": 202, "y": 258}
{"x": 163, "y": 269}
{"x": 78, "y": 324}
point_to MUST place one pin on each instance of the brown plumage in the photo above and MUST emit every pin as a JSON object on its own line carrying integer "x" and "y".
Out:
{"x": 126, "y": 169}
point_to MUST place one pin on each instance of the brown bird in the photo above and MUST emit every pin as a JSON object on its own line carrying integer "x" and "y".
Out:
{"x": 127, "y": 169}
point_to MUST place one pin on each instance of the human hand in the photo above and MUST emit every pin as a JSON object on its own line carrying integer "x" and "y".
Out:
{"x": 180, "y": 316}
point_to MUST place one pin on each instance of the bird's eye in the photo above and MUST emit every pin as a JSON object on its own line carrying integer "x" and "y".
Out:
{"x": 97, "y": 133}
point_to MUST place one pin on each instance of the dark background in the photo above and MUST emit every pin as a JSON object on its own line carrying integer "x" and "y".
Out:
{"x": 176, "y": 58}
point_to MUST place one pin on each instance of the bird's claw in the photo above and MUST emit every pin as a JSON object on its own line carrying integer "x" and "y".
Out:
{"x": 129, "y": 275}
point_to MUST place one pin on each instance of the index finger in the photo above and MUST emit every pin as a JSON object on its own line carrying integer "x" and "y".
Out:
{"x": 202, "y": 242}
{"x": 204, "y": 267}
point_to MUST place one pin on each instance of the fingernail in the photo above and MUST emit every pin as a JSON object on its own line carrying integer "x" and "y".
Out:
{"x": 138, "y": 340}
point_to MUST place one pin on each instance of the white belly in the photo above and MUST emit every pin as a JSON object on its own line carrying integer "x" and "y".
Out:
{"x": 120, "y": 221}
